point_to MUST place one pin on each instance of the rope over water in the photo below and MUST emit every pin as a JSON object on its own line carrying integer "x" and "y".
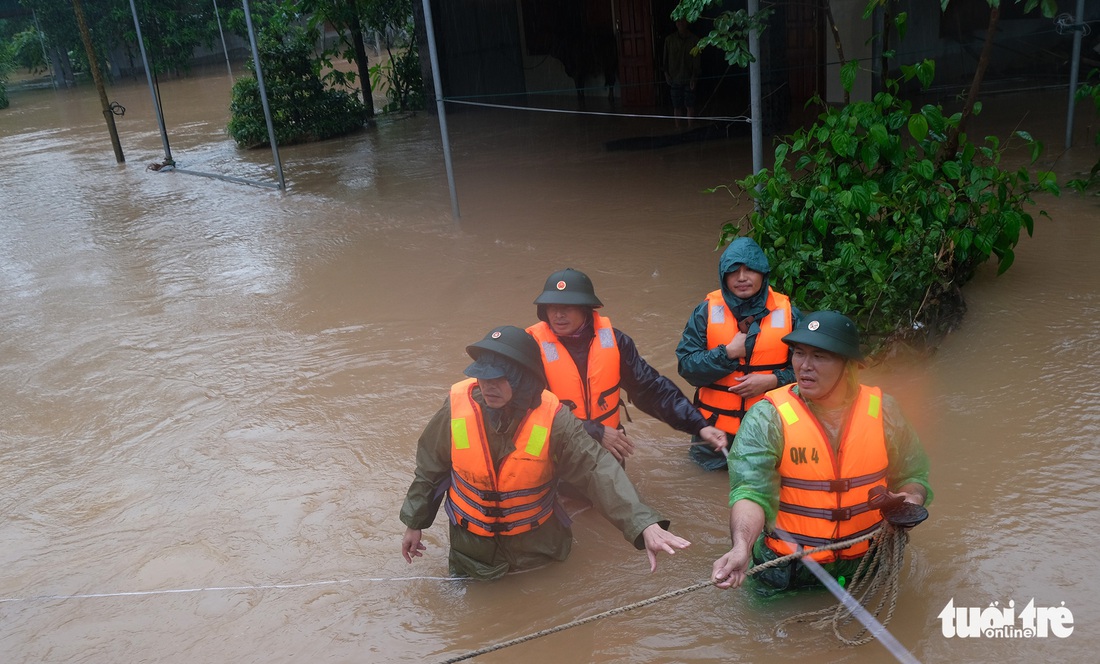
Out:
{"x": 703, "y": 584}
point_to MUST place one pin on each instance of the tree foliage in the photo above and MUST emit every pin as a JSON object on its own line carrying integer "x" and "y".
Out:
{"x": 1090, "y": 90}
{"x": 729, "y": 31}
{"x": 399, "y": 75}
{"x": 171, "y": 28}
{"x": 883, "y": 211}
{"x": 5, "y": 69}
{"x": 302, "y": 107}
{"x": 864, "y": 213}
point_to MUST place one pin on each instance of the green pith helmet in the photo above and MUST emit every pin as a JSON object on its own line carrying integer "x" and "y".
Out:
{"x": 567, "y": 286}
{"x": 828, "y": 330}
{"x": 512, "y": 343}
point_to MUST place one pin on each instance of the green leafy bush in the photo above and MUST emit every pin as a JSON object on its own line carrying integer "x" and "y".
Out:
{"x": 400, "y": 78}
{"x": 302, "y": 108}
{"x": 5, "y": 69}
{"x": 865, "y": 213}
{"x": 1091, "y": 90}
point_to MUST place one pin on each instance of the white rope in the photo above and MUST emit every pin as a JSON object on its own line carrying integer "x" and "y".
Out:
{"x": 739, "y": 118}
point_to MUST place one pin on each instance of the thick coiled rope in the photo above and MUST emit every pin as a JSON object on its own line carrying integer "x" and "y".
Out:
{"x": 876, "y": 579}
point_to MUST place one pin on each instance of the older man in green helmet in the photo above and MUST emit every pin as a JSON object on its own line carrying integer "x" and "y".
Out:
{"x": 588, "y": 362}
{"x": 494, "y": 455}
{"x": 808, "y": 458}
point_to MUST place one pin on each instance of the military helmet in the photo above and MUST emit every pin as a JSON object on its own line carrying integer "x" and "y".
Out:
{"x": 512, "y": 343}
{"x": 567, "y": 286}
{"x": 828, "y": 330}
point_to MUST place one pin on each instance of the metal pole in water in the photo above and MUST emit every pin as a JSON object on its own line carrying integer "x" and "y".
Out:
{"x": 755, "y": 105}
{"x": 225, "y": 49}
{"x": 438, "y": 84}
{"x": 861, "y": 614}
{"x": 1078, "y": 28}
{"x": 149, "y": 76}
{"x": 263, "y": 96}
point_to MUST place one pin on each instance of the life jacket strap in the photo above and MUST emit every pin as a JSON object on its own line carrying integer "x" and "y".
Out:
{"x": 838, "y": 514}
{"x": 814, "y": 542}
{"x": 498, "y": 496}
{"x": 835, "y": 486}
{"x": 464, "y": 519}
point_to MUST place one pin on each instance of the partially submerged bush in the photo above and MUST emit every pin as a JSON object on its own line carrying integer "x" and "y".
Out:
{"x": 302, "y": 108}
{"x": 864, "y": 212}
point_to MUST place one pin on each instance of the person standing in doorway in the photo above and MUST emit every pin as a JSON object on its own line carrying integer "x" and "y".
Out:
{"x": 682, "y": 68}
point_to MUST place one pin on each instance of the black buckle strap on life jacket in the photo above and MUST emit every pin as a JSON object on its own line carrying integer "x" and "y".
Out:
{"x": 755, "y": 368}
{"x": 464, "y": 519}
{"x": 836, "y": 486}
{"x": 814, "y": 542}
{"x": 603, "y": 417}
{"x": 698, "y": 402}
{"x": 837, "y": 514}
{"x": 571, "y": 405}
{"x": 739, "y": 413}
{"x": 601, "y": 399}
{"x": 498, "y": 496}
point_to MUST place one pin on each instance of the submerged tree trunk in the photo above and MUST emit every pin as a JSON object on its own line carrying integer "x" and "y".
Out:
{"x": 975, "y": 84}
{"x": 93, "y": 65}
{"x": 356, "y": 27}
{"x": 836, "y": 42}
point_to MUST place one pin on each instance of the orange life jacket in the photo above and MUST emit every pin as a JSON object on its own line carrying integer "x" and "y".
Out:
{"x": 520, "y": 495}
{"x": 769, "y": 353}
{"x": 822, "y": 494}
{"x": 596, "y": 398}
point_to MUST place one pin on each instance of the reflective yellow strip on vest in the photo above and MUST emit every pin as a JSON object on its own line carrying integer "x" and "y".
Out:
{"x": 458, "y": 434}
{"x": 874, "y": 406}
{"x": 789, "y": 416}
{"x": 537, "y": 440}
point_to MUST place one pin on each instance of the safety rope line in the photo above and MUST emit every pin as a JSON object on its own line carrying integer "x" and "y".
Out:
{"x": 565, "y": 111}
{"x": 877, "y": 577}
{"x": 652, "y": 600}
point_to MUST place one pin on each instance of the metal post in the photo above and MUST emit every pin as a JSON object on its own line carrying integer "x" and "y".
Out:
{"x": 1078, "y": 28}
{"x": 754, "y": 94}
{"x": 225, "y": 49}
{"x": 45, "y": 54}
{"x": 438, "y": 84}
{"x": 263, "y": 96}
{"x": 168, "y": 161}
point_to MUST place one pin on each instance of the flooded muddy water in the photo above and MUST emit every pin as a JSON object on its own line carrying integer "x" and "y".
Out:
{"x": 212, "y": 394}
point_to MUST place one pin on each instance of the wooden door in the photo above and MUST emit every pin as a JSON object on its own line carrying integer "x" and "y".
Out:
{"x": 637, "y": 74}
{"x": 805, "y": 50}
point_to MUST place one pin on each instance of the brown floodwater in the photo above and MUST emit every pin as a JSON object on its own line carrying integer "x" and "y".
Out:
{"x": 212, "y": 393}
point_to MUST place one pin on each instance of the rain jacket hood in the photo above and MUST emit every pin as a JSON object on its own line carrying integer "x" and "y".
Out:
{"x": 744, "y": 251}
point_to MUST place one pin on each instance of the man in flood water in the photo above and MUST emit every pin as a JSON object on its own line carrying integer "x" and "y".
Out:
{"x": 732, "y": 349}
{"x": 807, "y": 457}
{"x": 587, "y": 362}
{"x": 494, "y": 455}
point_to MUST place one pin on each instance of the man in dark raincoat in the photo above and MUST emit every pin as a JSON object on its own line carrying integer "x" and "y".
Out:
{"x": 588, "y": 361}
{"x": 732, "y": 349}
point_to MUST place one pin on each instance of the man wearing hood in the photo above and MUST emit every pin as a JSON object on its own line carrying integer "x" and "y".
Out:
{"x": 732, "y": 348}
{"x": 494, "y": 455}
{"x": 587, "y": 362}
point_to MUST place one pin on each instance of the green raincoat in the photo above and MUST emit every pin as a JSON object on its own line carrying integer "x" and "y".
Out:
{"x": 579, "y": 461}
